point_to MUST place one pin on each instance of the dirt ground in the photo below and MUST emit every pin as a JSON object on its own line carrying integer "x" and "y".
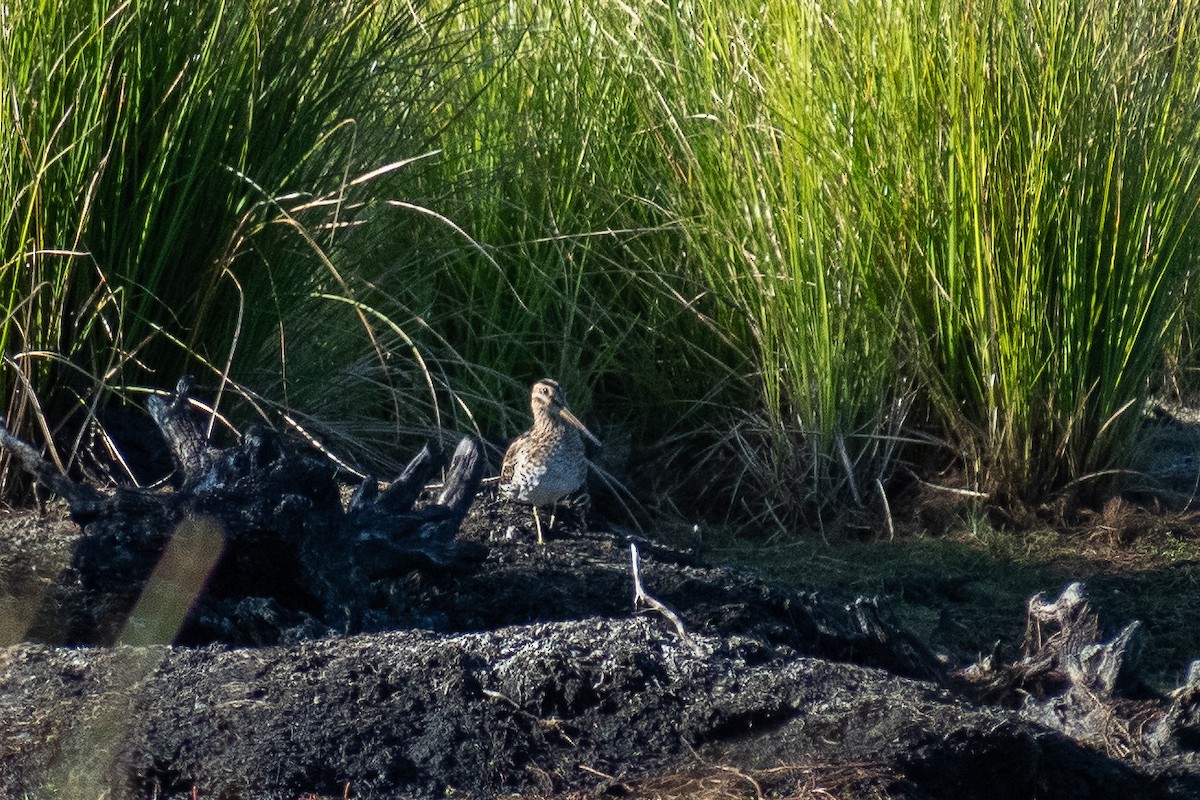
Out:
{"x": 530, "y": 674}
{"x": 966, "y": 589}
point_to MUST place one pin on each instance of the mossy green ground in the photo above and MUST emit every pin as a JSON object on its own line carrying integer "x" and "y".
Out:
{"x": 967, "y": 589}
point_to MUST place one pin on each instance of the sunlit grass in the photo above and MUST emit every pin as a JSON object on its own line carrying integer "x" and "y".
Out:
{"x": 894, "y": 216}
{"x": 546, "y": 163}
{"x": 771, "y": 244}
{"x": 1045, "y": 165}
{"x": 175, "y": 177}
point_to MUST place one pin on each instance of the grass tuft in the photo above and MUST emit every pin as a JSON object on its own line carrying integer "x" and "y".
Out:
{"x": 786, "y": 241}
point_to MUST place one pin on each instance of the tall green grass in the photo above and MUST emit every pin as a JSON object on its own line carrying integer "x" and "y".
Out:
{"x": 546, "y": 162}
{"x": 756, "y": 164}
{"x": 771, "y": 243}
{"x": 175, "y": 176}
{"x": 1044, "y": 163}
{"x": 971, "y": 222}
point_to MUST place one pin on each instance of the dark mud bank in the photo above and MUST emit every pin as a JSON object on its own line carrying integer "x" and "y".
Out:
{"x": 414, "y": 642}
{"x": 565, "y": 689}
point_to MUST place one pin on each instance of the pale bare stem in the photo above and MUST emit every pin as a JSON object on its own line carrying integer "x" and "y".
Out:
{"x": 114, "y": 452}
{"x": 840, "y": 441}
{"x": 237, "y": 334}
{"x": 955, "y": 490}
{"x": 315, "y": 442}
{"x": 287, "y": 218}
{"x": 363, "y": 309}
{"x": 887, "y": 509}
{"x": 392, "y": 167}
{"x": 476, "y": 245}
{"x": 641, "y": 598}
{"x": 38, "y": 414}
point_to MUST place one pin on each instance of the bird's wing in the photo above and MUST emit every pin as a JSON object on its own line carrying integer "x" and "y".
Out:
{"x": 508, "y": 465}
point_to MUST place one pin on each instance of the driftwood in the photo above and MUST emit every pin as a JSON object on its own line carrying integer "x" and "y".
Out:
{"x": 1071, "y": 679}
{"x": 286, "y": 560}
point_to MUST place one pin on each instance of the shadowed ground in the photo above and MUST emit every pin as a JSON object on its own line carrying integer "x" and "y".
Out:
{"x": 529, "y": 672}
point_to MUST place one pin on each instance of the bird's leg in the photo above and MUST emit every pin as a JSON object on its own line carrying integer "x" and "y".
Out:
{"x": 553, "y": 514}
{"x": 537, "y": 521}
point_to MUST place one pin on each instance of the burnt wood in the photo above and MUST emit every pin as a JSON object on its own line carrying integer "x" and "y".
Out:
{"x": 294, "y": 563}
{"x": 528, "y": 671}
{"x": 1073, "y": 679}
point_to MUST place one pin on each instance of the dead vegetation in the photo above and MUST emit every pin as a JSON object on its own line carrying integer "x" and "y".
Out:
{"x": 806, "y": 780}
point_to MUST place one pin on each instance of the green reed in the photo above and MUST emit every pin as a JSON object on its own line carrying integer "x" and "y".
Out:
{"x": 972, "y": 223}
{"x": 790, "y": 240}
{"x": 175, "y": 176}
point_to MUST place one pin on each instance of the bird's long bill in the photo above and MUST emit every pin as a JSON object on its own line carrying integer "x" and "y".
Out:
{"x": 574, "y": 420}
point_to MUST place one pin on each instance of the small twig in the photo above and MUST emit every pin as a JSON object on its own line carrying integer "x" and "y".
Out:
{"x": 840, "y": 441}
{"x": 597, "y": 772}
{"x": 494, "y": 695}
{"x": 887, "y": 510}
{"x": 641, "y": 598}
{"x": 325, "y": 451}
{"x": 549, "y": 723}
{"x": 955, "y": 490}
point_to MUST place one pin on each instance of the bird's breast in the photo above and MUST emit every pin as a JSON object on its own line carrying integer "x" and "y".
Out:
{"x": 540, "y": 472}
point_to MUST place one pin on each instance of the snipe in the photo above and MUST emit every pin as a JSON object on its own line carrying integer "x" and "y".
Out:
{"x": 546, "y": 463}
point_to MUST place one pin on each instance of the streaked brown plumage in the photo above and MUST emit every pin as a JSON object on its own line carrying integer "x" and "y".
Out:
{"x": 546, "y": 463}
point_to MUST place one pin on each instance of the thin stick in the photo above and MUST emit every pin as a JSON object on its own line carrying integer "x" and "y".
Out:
{"x": 595, "y": 771}
{"x": 840, "y": 441}
{"x": 641, "y": 598}
{"x": 315, "y": 442}
{"x": 887, "y": 510}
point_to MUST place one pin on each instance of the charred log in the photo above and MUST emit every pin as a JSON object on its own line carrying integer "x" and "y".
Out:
{"x": 1073, "y": 680}
{"x": 526, "y": 672}
{"x": 190, "y": 449}
{"x": 293, "y": 560}
{"x": 590, "y": 707}
{"x": 593, "y": 701}
{"x": 1178, "y": 731}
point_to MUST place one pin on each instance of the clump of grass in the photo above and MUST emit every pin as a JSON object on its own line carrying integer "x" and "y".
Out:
{"x": 794, "y": 232}
{"x": 177, "y": 175}
{"x": 990, "y": 209}
{"x": 755, "y": 170}
{"x": 612, "y": 229}
{"x": 1042, "y": 172}
{"x": 570, "y": 267}
{"x": 817, "y": 228}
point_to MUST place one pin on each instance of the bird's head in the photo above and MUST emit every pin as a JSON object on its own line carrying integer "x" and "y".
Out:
{"x": 549, "y": 400}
